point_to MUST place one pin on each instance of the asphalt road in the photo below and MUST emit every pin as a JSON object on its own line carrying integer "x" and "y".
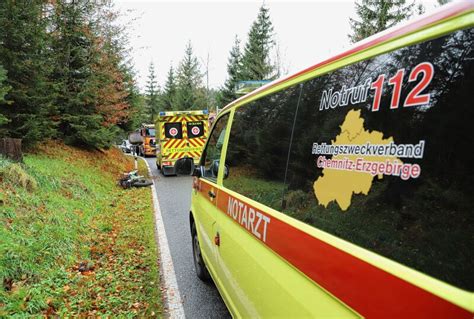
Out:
{"x": 200, "y": 300}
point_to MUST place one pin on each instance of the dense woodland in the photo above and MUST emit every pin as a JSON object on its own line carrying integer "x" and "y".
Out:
{"x": 66, "y": 71}
{"x": 68, "y": 74}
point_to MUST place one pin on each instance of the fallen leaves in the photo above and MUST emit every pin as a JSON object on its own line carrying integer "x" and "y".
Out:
{"x": 116, "y": 278}
{"x": 97, "y": 255}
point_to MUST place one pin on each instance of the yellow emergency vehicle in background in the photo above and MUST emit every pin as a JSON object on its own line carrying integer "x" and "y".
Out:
{"x": 181, "y": 134}
{"x": 148, "y": 148}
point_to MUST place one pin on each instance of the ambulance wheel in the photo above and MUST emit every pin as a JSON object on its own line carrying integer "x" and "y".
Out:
{"x": 199, "y": 265}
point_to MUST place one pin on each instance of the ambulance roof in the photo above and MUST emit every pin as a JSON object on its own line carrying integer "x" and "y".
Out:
{"x": 174, "y": 113}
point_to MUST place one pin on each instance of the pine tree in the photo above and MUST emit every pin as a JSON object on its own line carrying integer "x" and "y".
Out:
{"x": 3, "y": 87}
{"x": 190, "y": 92}
{"x": 168, "y": 98}
{"x": 69, "y": 75}
{"x": 234, "y": 69}
{"x": 443, "y": 2}
{"x": 110, "y": 68}
{"x": 110, "y": 103}
{"x": 123, "y": 105}
{"x": 135, "y": 101}
{"x": 25, "y": 55}
{"x": 152, "y": 92}
{"x": 3, "y": 91}
{"x": 256, "y": 62}
{"x": 378, "y": 15}
{"x": 91, "y": 90}
{"x": 74, "y": 44}
{"x": 420, "y": 9}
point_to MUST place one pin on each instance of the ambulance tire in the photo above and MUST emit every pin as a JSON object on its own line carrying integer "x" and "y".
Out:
{"x": 199, "y": 265}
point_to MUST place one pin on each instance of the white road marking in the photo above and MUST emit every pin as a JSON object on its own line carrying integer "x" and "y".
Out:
{"x": 174, "y": 303}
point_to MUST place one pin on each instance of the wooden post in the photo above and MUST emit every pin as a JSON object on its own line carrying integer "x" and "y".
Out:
{"x": 11, "y": 149}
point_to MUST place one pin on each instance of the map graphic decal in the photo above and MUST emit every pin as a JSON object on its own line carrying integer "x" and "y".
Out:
{"x": 340, "y": 184}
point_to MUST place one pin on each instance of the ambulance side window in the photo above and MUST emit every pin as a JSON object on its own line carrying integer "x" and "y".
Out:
{"x": 419, "y": 214}
{"x": 212, "y": 153}
{"x": 258, "y": 147}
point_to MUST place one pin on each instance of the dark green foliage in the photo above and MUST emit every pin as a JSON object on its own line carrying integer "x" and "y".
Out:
{"x": 3, "y": 87}
{"x": 135, "y": 100}
{"x": 78, "y": 90}
{"x": 3, "y": 91}
{"x": 68, "y": 70}
{"x": 152, "y": 92}
{"x": 256, "y": 64}
{"x": 190, "y": 93}
{"x": 377, "y": 15}
{"x": 87, "y": 131}
{"x": 25, "y": 54}
{"x": 168, "y": 98}
{"x": 234, "y": 70}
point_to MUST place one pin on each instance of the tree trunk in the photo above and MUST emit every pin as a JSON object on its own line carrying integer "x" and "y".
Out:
{"x": 11, "y": 149}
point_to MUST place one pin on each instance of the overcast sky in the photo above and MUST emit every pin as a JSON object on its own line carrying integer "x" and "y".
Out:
{"x": 305, "y": 31}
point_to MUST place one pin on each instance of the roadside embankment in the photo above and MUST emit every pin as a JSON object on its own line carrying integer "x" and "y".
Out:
{"x": 73, "y": 243}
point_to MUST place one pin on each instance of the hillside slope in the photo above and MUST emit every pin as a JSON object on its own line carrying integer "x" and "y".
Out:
{"x": 71, "y": 241}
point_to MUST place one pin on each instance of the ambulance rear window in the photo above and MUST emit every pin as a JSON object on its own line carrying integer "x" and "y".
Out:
{"x": 150, "y": 132}
{"x": 173, "y": 130}
{"x": 195, "y": 129}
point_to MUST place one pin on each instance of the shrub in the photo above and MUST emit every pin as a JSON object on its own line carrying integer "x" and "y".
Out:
{"x": 15, "y": 174}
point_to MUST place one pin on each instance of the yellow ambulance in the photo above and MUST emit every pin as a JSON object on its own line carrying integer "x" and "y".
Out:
{"x": 181, "y": 134}
{"x": 347, "y": 190}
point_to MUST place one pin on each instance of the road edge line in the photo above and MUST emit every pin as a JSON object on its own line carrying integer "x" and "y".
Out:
{"x": 174, "y": 303}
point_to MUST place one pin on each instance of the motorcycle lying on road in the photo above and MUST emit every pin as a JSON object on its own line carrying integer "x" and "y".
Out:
{"x": 132, "y": 179}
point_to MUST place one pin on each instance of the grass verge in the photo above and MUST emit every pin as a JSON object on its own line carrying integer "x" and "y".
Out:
{"x": 72, "y": 243}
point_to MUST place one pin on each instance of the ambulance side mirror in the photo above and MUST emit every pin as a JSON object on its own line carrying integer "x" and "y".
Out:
{"x": 226, "y": 171}
{"x": 215, "y": 169}
{"x": 197, "y": 171}
{"x": 184, "y": 166}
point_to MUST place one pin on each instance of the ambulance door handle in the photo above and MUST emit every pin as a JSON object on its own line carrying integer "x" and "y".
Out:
{"x": 211, "y": 194}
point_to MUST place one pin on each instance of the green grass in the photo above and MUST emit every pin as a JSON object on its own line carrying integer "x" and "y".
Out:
{"x": 72, "y": 243}
{"x": 263, "y": 191}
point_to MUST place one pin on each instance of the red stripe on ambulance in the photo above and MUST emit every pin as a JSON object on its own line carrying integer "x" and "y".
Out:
{"x": 370, "y": 291}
